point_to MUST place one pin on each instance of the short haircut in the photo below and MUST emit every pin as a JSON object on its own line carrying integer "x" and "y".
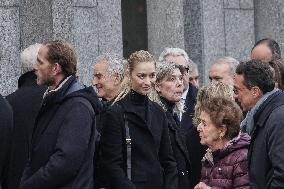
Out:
{"x": 164, "y": 69}
{"x": 224, "y": 111}
{"x": 257, "y": 73}
{"x": 278, "y": 67}
{"x": 64, "y": 54}
{"x": 28, "y": 57}
{"x": 230, "y": 61}
{"x": 173, "y": 52}
{"x": 206, "y": 93}
{"x": 115, "y": 62}
{"x": 272, "y": 45}
{"x": 192, "y": 67}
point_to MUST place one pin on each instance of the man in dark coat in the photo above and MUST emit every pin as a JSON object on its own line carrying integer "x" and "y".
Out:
{"x": 6, "y": 127}
{"x": 108, "y": 75}
{"x": 25, "y": 102}
{"x": 254, "y": 89}
{"x": 63, "y": 140}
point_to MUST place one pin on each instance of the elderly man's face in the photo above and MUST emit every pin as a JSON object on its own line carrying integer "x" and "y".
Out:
{"x": 261, "y": 52}
{"x": 221, "y": 73}
{"x": 194, "y": 78}
{"x": 106, "y": 84}
{"x": 181, "y": 61}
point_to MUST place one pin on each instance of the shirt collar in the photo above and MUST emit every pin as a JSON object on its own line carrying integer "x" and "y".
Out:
{"x": 183, "y": 96}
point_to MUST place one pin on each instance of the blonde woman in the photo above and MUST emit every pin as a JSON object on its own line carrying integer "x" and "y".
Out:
{"x": 136, "y": 148}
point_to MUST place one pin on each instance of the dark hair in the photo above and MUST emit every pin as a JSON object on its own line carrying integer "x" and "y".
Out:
{"x": 224, "y": 111}
{"x": 278, "y": 68}
{"x": 62, "y": 53}
{"x": 257, "y": 73}
{"x": 272, "y": 45}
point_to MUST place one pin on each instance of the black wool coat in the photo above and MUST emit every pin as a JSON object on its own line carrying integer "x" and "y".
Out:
{"x": 63, "y": 141}
{"x": 266, "y": 151}
{"x": 25, "y": 102}
{"x": 178, "y": 145}
{"x": 6, "y": 128}
{"x": 100, "y": 177}
{"x": 190, "y": 101}
{"x": 153, "y": 164}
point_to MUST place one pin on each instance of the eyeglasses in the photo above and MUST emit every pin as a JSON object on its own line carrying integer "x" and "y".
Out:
{"x": 184, "y": 69}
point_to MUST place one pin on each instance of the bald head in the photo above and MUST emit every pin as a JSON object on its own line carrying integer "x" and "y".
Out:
{"x": 266, "y": 50}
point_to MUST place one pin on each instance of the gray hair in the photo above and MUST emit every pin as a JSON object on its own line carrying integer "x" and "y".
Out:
{"x": 163, "y": 69}
{"x": 233, "y": 63}
{"x": 29, "y": 56}
{"x": 206, "y": 93}
{"x": 173, "y": 52}
{"x": 192, "y": 67}
{"x": 116, "y": 63}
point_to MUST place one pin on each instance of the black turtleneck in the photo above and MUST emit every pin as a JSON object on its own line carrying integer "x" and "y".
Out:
{"x": 140, "y": 101}
{"x": 170, "y": 109}
{"x": 169, "y": 105}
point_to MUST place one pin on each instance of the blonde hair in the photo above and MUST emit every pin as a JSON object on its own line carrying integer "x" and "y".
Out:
{"x": 137, "y": 57}
{"x": 206, "y": 93}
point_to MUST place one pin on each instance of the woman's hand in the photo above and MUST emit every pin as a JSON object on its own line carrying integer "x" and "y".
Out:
{"x": 202, "y": 185}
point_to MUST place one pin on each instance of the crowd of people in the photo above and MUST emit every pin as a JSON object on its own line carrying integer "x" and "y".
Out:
{"x": 144, "y": 123}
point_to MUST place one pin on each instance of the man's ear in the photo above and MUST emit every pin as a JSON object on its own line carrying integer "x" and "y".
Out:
{"x": 256, "y": 92}
{"x": 117, "y": 79}
{"x": 56, "y": 68}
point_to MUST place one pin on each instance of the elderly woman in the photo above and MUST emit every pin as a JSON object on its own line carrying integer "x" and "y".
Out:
{"x": 169, "y": 86}
{"x": 225, "y": 163}
{"x": 197, "y": 150}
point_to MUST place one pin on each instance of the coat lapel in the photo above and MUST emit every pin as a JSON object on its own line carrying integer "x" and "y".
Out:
{"x": 149, "y": 118}
{"x": 178, "y": 136}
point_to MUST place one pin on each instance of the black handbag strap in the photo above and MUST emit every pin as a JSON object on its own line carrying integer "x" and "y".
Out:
{"x": 128, "y": 147}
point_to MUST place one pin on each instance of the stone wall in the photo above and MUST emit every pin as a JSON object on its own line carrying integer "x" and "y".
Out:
{"x": 206, "y": 29}
{"x": 92, "y": 26}
{"x": 165, "y": 25}
{"x": 269, "y": 20}
{"x": 9, "y": 45}
{"x": 217, "y": 28}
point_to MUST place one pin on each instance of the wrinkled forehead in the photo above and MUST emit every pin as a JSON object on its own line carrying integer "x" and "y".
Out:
{"x": 100, "y": 66}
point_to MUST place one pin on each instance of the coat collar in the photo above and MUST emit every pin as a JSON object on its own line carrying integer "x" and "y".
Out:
{"x": 265, "y": 108}
{"x": 130, "y": 102}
